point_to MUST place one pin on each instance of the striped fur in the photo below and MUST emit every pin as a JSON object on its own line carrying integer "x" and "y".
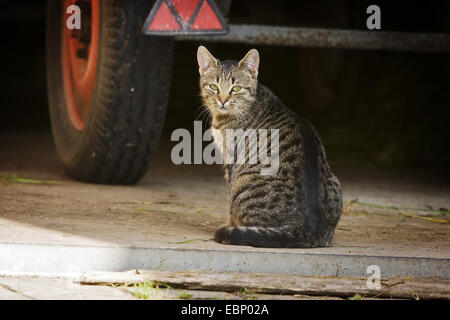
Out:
{"x": 301, "y": 205}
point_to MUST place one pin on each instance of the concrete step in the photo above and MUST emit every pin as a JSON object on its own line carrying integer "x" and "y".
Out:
{"x": 44, "y": 258}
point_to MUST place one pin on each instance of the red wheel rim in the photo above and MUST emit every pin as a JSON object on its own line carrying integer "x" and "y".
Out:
{"x": 79, "y": 60}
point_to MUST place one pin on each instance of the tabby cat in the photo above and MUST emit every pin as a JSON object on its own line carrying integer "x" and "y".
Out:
{"x": 300, "y": 205}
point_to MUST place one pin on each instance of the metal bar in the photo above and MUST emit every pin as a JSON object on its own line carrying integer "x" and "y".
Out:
{"x": 329, "y": 38}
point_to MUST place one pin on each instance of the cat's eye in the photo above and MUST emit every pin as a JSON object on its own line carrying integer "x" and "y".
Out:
{"x": 236, "y": 88}
{"x": 214, "y": 87}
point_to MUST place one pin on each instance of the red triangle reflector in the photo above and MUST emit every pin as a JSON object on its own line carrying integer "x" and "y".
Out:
{"x": 206, "y": 19}
{"x": 164, "y": 20}
{"x": 183, "y": 17}
{"x": 185, "y": 8}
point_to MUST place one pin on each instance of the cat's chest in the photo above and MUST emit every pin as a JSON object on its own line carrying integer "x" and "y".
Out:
{"x": 218, "y": 138}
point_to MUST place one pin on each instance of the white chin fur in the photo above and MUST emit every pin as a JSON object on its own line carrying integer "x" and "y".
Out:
{"x": 222, "y": 110}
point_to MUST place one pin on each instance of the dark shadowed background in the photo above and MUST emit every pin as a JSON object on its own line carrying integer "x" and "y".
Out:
{"x": 372, "y": 108}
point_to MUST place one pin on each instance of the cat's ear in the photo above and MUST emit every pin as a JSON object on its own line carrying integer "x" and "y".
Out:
{"x": 250, "y": 63}
{"x": 205, "y": 59}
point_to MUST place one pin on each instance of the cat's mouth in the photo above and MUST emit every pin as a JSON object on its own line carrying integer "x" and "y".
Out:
{"x": 223, "y": 109}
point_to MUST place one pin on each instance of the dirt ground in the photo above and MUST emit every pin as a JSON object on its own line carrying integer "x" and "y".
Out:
{"x": 387, "y": 212}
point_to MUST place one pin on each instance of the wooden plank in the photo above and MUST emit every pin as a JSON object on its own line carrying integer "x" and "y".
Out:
{"x": 186, "y": 294}
{"x": 392, "y": 287}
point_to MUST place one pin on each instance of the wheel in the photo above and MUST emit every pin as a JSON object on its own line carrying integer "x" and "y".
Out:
{"x": 108, "y": 87}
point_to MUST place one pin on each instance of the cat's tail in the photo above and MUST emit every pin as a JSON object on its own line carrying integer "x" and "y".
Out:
{"x": 256, "y": 237}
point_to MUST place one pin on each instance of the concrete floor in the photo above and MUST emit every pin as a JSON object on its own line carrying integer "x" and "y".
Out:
{"x": 178, "y": 208}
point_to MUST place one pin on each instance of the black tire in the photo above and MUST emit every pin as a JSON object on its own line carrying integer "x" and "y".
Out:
{"x": 129, "y": 102}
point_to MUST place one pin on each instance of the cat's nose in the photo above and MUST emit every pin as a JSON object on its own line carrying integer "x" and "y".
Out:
{"x": 222, "y": 100}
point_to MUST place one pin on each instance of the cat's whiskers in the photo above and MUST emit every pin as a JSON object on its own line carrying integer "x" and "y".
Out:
{"x": 240, "y": 115}
{"x": 203, "y": 113}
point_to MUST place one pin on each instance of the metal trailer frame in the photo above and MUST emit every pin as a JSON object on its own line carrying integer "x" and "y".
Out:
{"x": 328, "y": 38}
